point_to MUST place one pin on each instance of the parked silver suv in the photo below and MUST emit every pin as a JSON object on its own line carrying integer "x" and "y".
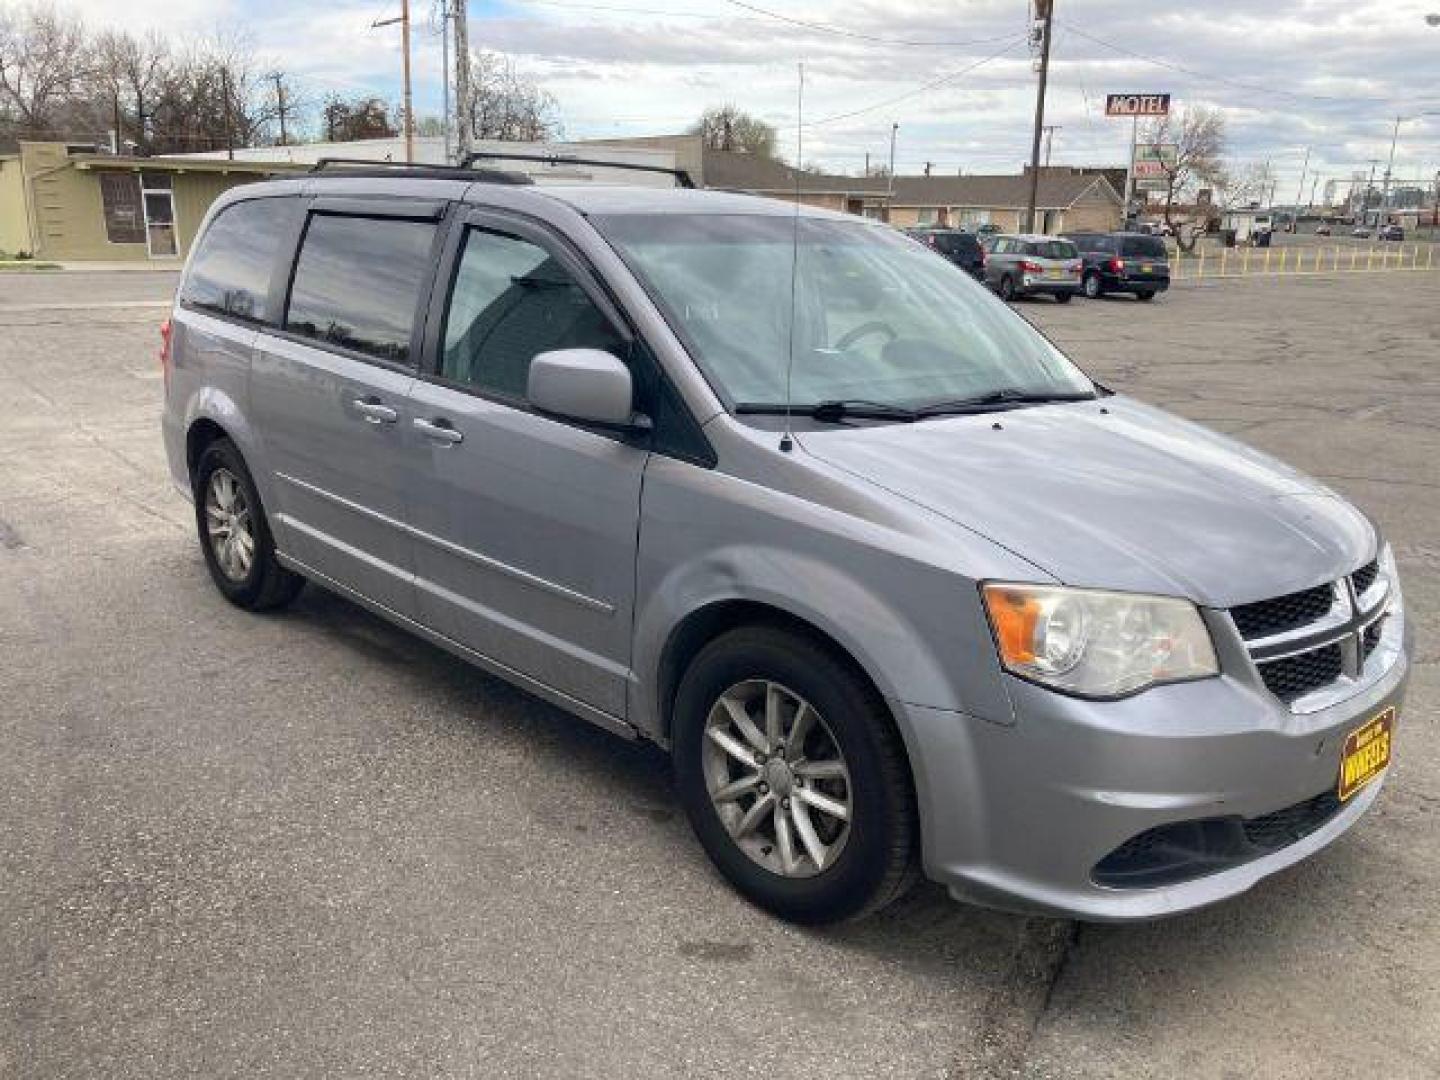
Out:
{"x": 899, "y": 587}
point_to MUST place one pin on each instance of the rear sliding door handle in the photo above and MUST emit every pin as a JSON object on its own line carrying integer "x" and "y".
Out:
{"x": 441, "y": 431}
{"x": 374, "y": 412}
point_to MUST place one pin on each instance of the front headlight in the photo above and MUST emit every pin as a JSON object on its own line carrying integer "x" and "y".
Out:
{"x": 1096, "y": 643}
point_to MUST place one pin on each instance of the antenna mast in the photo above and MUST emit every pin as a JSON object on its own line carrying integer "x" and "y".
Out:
{"x": 787, "y": 441}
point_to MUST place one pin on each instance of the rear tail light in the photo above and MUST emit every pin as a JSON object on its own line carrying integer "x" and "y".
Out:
{"x": 1115, "y": 265}
{"x": 165, "y": 331}
{"x": 1028, "y": 267}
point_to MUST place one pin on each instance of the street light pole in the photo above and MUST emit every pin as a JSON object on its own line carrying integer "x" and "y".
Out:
{"x": 890, "y": 196}
{"x": 1046, "y": 10}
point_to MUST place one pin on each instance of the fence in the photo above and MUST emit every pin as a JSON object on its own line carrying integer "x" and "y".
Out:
{"x": 1319, "y": 259}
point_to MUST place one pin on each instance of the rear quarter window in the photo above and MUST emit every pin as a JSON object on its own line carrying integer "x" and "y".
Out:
{"x": 1144, "y": 247}
{"x": 230, "y": 271}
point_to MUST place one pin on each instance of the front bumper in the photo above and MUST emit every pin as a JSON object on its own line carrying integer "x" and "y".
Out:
{"x": 1018, "y": 816}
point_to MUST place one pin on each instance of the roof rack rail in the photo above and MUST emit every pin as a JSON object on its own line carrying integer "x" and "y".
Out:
{"x": 361, "y": 167}
{"x": 681, "y": 177}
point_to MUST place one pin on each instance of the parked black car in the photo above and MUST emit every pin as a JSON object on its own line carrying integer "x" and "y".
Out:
{"x": 957, "y": 245}
{"x": 1391, "y": 232}
{"x": 1123, "y": 262}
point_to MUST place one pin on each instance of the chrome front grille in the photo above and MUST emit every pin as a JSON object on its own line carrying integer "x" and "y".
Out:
{"x": 1311, "y": 641}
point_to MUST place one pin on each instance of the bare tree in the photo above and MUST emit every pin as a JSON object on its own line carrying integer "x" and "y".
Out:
{"x": 1198, "y": 135}
{"x": 131, "y": 68}
{"x": 44, "y": 61}
{"x": 726, "y": 127}
{"x": 356, "y": 118}
{"x": 507, "y": 104}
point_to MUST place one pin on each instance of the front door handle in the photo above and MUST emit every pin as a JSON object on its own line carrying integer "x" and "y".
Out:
{"x": 375, "y": 412}
{"x": 440, "y": 430}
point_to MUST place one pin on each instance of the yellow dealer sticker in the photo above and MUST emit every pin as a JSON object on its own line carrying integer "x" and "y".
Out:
{"x": 1366, "y": 753}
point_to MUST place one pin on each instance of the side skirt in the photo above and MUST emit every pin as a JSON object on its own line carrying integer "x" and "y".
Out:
{"x": 558, "y": 698}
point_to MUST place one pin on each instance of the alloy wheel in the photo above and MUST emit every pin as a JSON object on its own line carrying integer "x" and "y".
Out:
{"x": 229, "y": 525}
{"x": 777, "y": 778}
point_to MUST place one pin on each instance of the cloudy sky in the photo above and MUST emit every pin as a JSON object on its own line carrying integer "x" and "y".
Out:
{"x": 956, "y": 75}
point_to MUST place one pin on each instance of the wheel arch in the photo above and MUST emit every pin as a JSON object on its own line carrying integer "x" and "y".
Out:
{"x": 705, "y": 624}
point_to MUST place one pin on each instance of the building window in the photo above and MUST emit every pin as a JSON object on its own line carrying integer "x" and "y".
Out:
{"x": 926, "y": 216}
{"x": 120, "y": 200}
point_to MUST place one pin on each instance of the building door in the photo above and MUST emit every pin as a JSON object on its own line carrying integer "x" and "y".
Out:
{"x": 159, "y": 201}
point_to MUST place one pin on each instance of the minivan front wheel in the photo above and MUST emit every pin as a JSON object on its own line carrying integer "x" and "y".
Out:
{"x": 794, "y": 777}
{"x": 234, "y": 534}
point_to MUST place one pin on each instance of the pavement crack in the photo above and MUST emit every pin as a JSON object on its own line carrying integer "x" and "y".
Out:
{"x": 1015, "y": 1007}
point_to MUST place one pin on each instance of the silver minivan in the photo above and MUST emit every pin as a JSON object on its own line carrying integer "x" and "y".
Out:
{"x": 900, "y": 588}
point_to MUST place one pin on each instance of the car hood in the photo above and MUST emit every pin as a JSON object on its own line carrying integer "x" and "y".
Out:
{"x": 1115, "y": 494}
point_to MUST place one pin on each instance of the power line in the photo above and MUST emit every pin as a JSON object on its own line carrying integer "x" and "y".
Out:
{"x": 826, "y": 28}
{"x": 931, "y": 85}
{"x": 1250, "y": 87}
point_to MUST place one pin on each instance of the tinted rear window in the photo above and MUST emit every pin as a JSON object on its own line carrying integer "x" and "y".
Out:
{"x": 1052, "y": 249}
{"x": 957, "y": 244}
{"x": 230, "y": 271}
{"x": 1145, "y": 247}
{"x": 358, "y": 281}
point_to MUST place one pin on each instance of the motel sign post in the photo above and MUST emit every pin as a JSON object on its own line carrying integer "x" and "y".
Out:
{"x": 1135, "y": 106}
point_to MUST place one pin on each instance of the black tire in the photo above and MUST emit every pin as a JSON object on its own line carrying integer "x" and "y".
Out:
{"x": 1094, "y": 287}
{"x": 1145, "y": 295}
{"x": 266, "y": 584}
{"x": 1064, "y": 297}
{"x": 879, "y": 859}
{"x": 1007, "y": 288}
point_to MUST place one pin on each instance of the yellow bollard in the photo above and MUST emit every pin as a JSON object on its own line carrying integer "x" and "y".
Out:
{"x": 1200, "y": 272}
{"x": 1284, "y": 253}
{"x": 1319, "y": 251}
{"x": 1370, "y": 258}
{"x": 1245, "y": 262}
{"x": 1224, "y": 260}
{"x": 1267, "y": 260}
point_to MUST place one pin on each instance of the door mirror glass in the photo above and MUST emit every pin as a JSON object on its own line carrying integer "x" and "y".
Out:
{"x": 589, "y": 385}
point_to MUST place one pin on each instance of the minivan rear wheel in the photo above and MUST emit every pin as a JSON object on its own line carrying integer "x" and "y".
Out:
{"x": 234, "y": 534}
{"x": 793, "y": 776}
{"x": 1007, "y": 288}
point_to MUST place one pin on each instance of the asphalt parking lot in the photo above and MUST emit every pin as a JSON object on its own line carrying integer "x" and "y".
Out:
{"x": 309, "y": 845}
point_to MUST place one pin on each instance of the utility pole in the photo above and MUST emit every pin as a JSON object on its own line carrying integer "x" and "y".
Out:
{"x": 867, "y": 162}
{"x": 1299, "y": 193}
{"x": 229, "y": 126}
{"x": 464, "y": 103}
{"x": 1385, "y": 192}
{"x": 445, "y": 76}
{"x": 1046, "y": 10}
{"x": 404, "y": 20}
{"x": 280, "y": 107}
{"x": 1365, "y": 199}
{"x": 890, "y": 197}
{"x": 1050, "y": 130}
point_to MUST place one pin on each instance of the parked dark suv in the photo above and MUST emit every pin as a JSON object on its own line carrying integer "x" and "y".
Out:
{"x": 1123, "y": 262}
{"x": 960, "y": 247}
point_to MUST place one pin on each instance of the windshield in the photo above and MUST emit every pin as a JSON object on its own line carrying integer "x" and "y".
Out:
{"x": 877, "y": 318}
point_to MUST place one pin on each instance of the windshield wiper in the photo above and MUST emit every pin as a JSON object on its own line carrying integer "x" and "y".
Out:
{"x": 834, "y": 411}
{"x": 1001, "y": 399}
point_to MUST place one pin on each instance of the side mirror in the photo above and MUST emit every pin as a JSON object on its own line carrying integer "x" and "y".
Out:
{"x": 589, "y": 385}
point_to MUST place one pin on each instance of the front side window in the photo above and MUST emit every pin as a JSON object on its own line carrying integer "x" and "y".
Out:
{"x": 230, "y": 271}
{"x": 358, "y": 281}
{"x": 512, "y": 299}
{"x": 874, "y": 317}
